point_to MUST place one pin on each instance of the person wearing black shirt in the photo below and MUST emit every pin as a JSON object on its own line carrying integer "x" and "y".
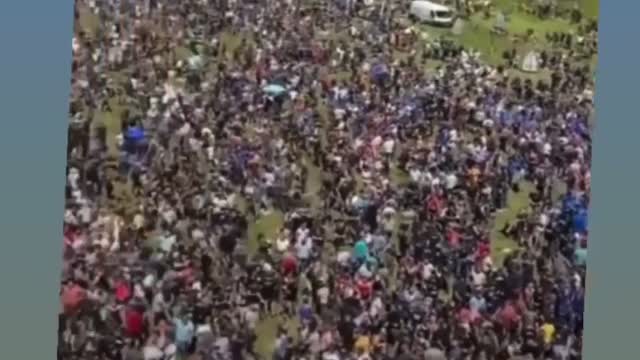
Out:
{"x": 268, "y": 291}
{"x": 315, "y": 285}
{"x": 290, "y": 296}
{"x": 201, "y": 312}
{"x": 252, "y": 295}
{"x": 346, "y": 331}
{"x": 205, "y": 263}
{"x": 370, "y": 217}
{"x": 237, "y": 347}
{"x": 531, "y": 341}
{"x": 460, "y": 291}
{"x": 394, "y": 324}
{"x": 228, "y": 243}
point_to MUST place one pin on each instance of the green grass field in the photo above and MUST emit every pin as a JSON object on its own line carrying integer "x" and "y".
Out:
{"x": 478, "y": 31}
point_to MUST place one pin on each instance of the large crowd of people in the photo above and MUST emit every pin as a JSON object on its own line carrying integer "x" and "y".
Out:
{"x": 379, "y": 173}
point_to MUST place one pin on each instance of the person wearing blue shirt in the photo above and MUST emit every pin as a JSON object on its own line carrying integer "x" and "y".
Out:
{"x": 477, "y": 303}
{"x": 184, "y": 333}
{"x": 577, "y": 304}
{"x": 564, "y": 313}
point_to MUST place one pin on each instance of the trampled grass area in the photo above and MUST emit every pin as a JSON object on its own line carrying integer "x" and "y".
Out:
{"x": 517, "y": 202}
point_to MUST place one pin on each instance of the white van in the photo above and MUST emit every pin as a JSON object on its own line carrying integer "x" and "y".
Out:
{"x": 431, "y": 13}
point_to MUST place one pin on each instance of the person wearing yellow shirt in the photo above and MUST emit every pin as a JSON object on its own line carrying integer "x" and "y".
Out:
{"x": 366, "y": 344}
{"x": 548, "y": 332}
{"x": 363, "y": 344}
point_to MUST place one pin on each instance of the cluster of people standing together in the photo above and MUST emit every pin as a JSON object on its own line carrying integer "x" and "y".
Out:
{"x": 274, "y": 179}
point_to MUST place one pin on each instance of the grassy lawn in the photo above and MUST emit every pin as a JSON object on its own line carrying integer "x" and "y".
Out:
{"x": 477, "y": 32}
{"x": 590, "y": 8}
{"x": 517, "y": 202}
{"x": 268, "y": 225}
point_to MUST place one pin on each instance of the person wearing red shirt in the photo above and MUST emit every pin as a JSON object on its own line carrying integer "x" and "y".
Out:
{"x": 123, "y": 291}
{"x": 188, "y": 275}
{"x": 484, "y": 250}
{"x": 365, "y": 288}
{"x": 508, "y": 316}
{"x": 453, "y": 237}
{"x": 435, "y": 204}
{"x": 465, "y": 316}
{"x": 289, "y": 265}
{"x": 134, "y": 322}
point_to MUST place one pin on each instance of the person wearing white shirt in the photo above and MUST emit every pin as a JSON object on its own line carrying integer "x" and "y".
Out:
{"x": 377, "y": 307}
{"x": 251, "y": 317}
{"x": 435, "y": 181}
{"x": 158, "y": 305}
{"x": 478, "y": 277}
{"x": 451, "y": 181}
{"x": 282, "y": 244}
{"x": 453, "y": 135}
{"x": 152, "y": 352}
{"x": 315, "y": 343}
{"x": 269, "y": 179}
{"x": 301, "y": 233}
{"x": 388, "y": 146}
{"x": 73, "y": 177}
{"x": 138, "y": 291}
{"x": 323, "y": 295}
{"x": 330, "y": 355}
{"x": 148, "y": 281}
{"x": 364, "y": 271}
{"x": 416, "y": 175}
{"x": 343, "y": 257}
{"x": 303, "y": 249}
{"x": 427, "y": 270}
{"x": 70, "y": 218}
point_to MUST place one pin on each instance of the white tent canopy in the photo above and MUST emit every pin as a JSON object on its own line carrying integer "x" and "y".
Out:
{"x": 531, "y": 62}
{"x": 458, "y": 27}
{"x": 501, "y": 22}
